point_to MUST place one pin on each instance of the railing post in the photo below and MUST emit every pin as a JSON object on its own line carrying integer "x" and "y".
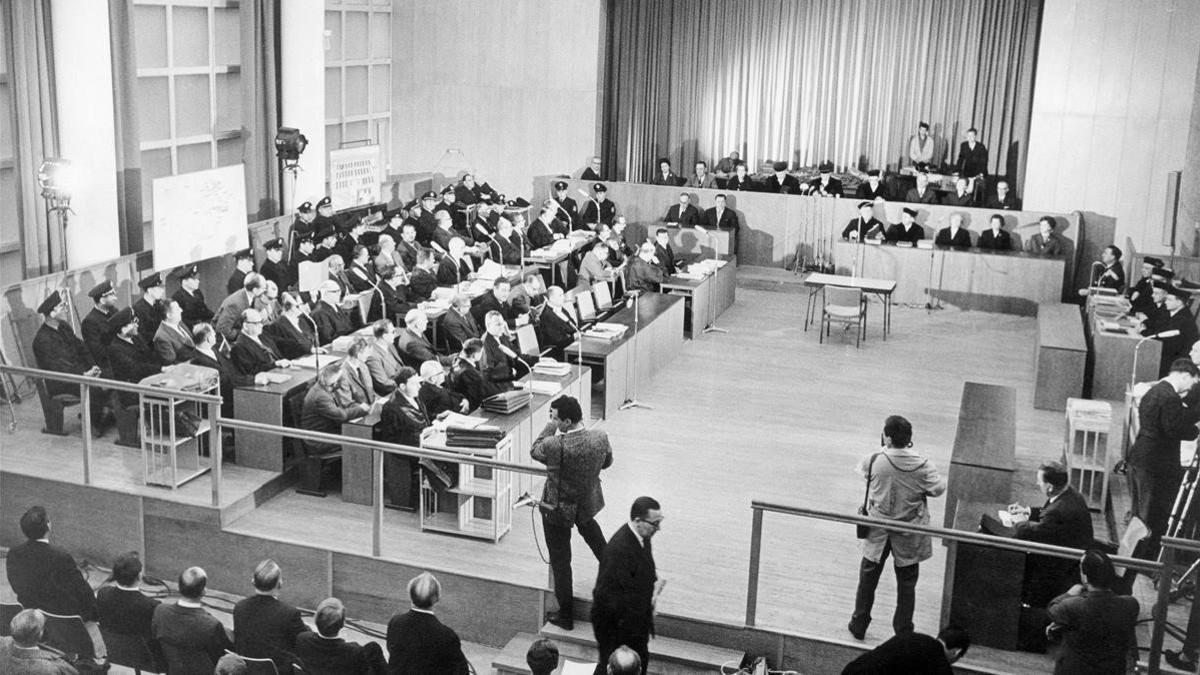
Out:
{"x": 377, "y": 502}
{"x": 755, "y": 551}
{"x": 1160, "y": 608}
{"x": 215, "y": 451}
{"x": 85, "y": 401}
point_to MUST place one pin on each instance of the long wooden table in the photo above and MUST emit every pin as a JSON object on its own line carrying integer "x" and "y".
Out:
{"x": 1012, "y": 283}
{"x": 884, "y": 288}
{"x": 659, "y": 335}
{"x": 706, "y": 298}
{"x": 773, "y": 228}
{"x": 1061, "y": 354}
{"x": 985, "y": 447}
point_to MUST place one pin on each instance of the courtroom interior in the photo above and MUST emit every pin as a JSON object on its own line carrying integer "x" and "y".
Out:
{"x": 612, "y": 336}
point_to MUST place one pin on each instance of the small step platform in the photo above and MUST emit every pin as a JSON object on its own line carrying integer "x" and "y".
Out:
{"x": 668, "y": 656}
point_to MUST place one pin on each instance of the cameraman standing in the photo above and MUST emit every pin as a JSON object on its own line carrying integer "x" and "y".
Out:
{"x": 574, "y": 457}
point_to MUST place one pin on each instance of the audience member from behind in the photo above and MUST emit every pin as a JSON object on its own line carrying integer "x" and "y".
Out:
{"x": 911, "y": 652}
{"x": 899, "y": 481}
{"x": 45, "y": 577}
{"x": 265, "y": 627}
{"x": 324, "y": 653}
{"x": 1063, "y": 520}
{"x": 21, "y": 655}
{"x": 624, "y": 661}
{"x": 192, "y": 640}
{"x": 542, "y": 657}
{"x": 419, "y": 644}
{"x": 1096, "y": 624}
{"x": 121, "y": 606}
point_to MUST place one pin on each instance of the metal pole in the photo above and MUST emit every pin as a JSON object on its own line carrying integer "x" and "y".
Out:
{"x": 85, "y": 401}
{"x": 215, "y": 451}
{"x": 1160, "y": 609}
{"x": 377, "y": 503}
{"x": 755, "y": 552}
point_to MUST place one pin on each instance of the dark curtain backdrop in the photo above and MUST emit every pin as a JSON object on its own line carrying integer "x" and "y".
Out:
{"x": 32, "y": 87}
{"x": 125, "y": 120}
{"x": 808, "y": 80}
{"x": 260, "y": 101}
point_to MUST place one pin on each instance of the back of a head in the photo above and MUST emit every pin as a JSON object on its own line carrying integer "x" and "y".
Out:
{"x": 624, "y": 661}
{"x": 231, "y": 664}
{"x": 192, "y": 583}
{"x": 954, "y": 637}
{"x": 1054, "y": 473}
{"x": 472, "y": 347}
{"x": 424, "y": 591}
{"x": 568, "y": 409}
{"x": 35, "y": 523}
{"x": 27, "y": 627}
{"x": 127, "y": 568}
{"x": 330, "y": 617}
{"x": 267, "y": 575}
{"x": 1098, "y": 568}
{"x": 542, "y": 657}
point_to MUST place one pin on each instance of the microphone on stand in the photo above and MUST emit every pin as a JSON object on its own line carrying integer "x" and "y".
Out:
{"x": 1137, "y": 350}
{"x": 316, "y": 339}
{"x": 594, "y": 201}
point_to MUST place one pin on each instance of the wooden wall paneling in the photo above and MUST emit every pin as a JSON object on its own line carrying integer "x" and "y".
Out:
{"x": 92, "y": 523}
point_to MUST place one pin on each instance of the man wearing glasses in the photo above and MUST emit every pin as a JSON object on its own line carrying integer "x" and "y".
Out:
{"x": 627, "y": 586}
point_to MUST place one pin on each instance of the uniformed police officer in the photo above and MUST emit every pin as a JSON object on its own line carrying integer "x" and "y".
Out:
{"x": 273, "y": 268}
{"x": 243, "y": 264}
{"x": 604, "y": 213}
{"x": 190, "y": 297}
{"x": 149, "y": 308}
{"x": 95, "y": 329}
{"x": 57, "y": 348}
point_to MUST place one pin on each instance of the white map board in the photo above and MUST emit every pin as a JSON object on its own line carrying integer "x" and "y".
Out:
{"x": 199, "y": 215}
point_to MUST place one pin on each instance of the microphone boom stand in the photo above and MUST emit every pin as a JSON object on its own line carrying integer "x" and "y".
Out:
{"x": 712, "y": 292}
{"x": 631, "y": 401}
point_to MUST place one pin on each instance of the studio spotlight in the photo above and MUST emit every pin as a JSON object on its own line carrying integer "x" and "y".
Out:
{"x": 289, "y": 145}
{"x": 56, "y": 179}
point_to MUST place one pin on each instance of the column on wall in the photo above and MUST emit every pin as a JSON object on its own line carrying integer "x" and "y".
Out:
{"x": 302, "y": 95}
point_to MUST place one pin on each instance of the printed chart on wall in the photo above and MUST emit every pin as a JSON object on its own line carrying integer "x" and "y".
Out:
{"x": 199, "y": 215}
{"x": 354, "y": 176}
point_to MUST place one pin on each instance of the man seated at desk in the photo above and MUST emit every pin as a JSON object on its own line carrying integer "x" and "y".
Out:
{"x": 208, "y": 355}
{"x": 325, "y": 409}
{"x": 907, "y": 232}
{"x": 435, "y": 396}
{"x": 403, "y": 420}
{"x": 465, "y": 377}
{"x": 456, "y": 266}
{"x": 500, "y": 354}
{"x": 423, "y": 281}
{"x": 383, "y": 360}
{"x": 1112, "y": 276}
{"x": 556, "y": 326}
{"x": 1140, "y": 293}
{"x": 664, "y": 255}
{"x": 1046, "y": 242}
{"x": 1063, "y": 520}
{"x": 594, "y": 267}
{"x": 825, "y": 185}
{"x": 740, "y": 181}
{"x": 500, "y": 299}
{"x": 702, "y": 178}
{"x": 1004, "y": 199}
{"x": 781, "y": 181}
{"x": 865, "y": 225}
{"x": 683, "y": 213}
{"x": 412, "y": 344}
{"x": 332, "y": 321}
{"x": 458, "y": 325}
{"x": 995, "y": 238}
{"x": 1179, "y": 318}
{"x": 922, "y": 193}
{"x": 293, "y": 332}
{"x": 873, "y": 188}
{"x": 253, "y": 352}
{"x": 955, "y": 236}
{"x": 961, "y": 196}
{"x": 644, "y": 275}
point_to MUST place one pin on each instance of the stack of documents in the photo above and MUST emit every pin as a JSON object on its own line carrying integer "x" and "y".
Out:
{"x": 551, "y": 367}
{"x": 482, "y": 436}
{"x": 543, "y": 387}
{"x": 606, "y": 331}
{"x": 506, "y": 402}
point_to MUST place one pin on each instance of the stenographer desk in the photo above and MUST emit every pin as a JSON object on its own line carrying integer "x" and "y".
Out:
{"x": 269, "y": 404}
{"x": 706, "y": 298}
{"x": 1009, "y": 282}
{"x": 1111, "y": 357}
{"x": 522, "y": 427}
{"x": 660, "y": 333}
{"x": 982, "y": 585}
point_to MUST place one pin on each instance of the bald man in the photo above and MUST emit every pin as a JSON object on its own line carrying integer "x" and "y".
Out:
{"x": 418, "y": 643}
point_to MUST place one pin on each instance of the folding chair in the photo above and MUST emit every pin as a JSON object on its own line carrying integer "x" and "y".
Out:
{"x": 527, "y": 340}
{"x": 53, "y": 407}
{"x": 67, "y": 634}
{"x": 603, "y": 296}
{"x": 585, "y": 306}
{"x": 257, "y": 666}
{"x": 844, "y": 306}
{"x": 7, "y": 612}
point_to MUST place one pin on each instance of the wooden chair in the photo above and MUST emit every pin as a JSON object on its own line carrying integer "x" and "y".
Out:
{"x": 68, "y": 635}
{"x": 844, "y": 306}
{"x": 130, "y": 651}
{"x": 7, "y": 612}
{"x": 52, "y": 408}
{"x": 312, "y": 468}
{"x": 128, "y": 422}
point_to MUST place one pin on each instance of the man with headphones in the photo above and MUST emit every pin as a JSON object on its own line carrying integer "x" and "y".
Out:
{"x": 574, "y": 456}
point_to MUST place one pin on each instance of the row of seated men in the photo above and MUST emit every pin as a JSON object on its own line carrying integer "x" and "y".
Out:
{"x": 1158, "y": 304}
{"x": 908, "y": 232}
{"x": 183, "y": 637}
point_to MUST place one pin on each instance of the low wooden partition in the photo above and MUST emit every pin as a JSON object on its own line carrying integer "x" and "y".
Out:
{"x": 1061, "y": 354}
{"x": 773, "y": 227}
{"x": 985, "y": 447}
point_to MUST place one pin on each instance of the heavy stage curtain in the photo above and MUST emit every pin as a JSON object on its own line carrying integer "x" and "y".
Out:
{"x": 808, "y": 80}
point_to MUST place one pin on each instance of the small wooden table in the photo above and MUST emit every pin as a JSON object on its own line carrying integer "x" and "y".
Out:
{"x": 884, "y": 288}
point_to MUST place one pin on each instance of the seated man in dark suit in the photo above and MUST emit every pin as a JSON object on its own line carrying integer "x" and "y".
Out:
{"x": 130, "y": 359}
{"x": 644, "y": 275}
{"x": 57, "y": 348}
{"x": 556, "y": 325}
{"x": 412, "y": 344}
{"x": 253, "y": 352}
{"x": 419, "y": 644}
{"x": 781, "y": 181}
{"x": 825, "y": 185}
{"x": 423, "y": 281}
{"x": 44, "y": 576}
{"x": 501, "y": 355}
{"x": 1063, "y": 520}
{"x": 865, "y": 226}
{"x": 332, "y": 320}
{"x": 955, "y": 235}
{"x": 500, "y": 299}
{"x": 914, "y": 653}
{"x": 961, "y": 196}
{"x": 326, "y": 407}
{"x": 466, "y": 378}
{"x": 922, "y": 193}
{"x": 1176, "y": 317}
{"x": 907, "y": 232}
{"x": 434, "y": 395}
{"x": 121, "y": 606}
{"x": 293, "y": 333}
{"x": 1004, "y": 199}
{"x": 722, "y": 218}
{"x": 264, "y": 627}
{"x": 187, "y": 633}
{"x": 873, "y": 188}
{"x": 324, "y": 653}
{"x": 683, "y": 213}
{"x": 664, "y": 255}
{"x": 22, "y": 654}
{"x": 458, "y": 324}
{"x": 995, "y": 238}
{"x": 208, "y": 355}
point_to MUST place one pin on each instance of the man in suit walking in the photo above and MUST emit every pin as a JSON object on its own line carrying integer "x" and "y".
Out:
{"x": 574, "y": 456}
{"x": 418, "y": 643}
{"x": 264, "y": 627}
{"x": 627, "y": 586}
{"x": 1063, "y": 520}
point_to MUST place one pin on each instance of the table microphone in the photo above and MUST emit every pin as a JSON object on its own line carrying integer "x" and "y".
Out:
{"x": 1137, "y": 350}
{"x": 592, "y": 200}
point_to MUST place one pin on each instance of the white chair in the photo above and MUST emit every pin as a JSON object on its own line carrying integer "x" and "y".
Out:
{"x": 586, "y": 306}
{"x": 602, "y": 295}
{"x": 845, "y": 306}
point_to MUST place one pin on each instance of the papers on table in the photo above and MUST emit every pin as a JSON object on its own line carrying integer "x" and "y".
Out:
{"x": 490, "y": 270}
{"x": 312, "y": 360}
{"x": 1009, "y": 520}
{"x": 341, "y": 344}
{"x": 606, "y": 331}
{"x": 465, "y": 421}
{"x": 543, "y": 387}
{"x": 570, "y": 667}
{"x": 551, "y": 367}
